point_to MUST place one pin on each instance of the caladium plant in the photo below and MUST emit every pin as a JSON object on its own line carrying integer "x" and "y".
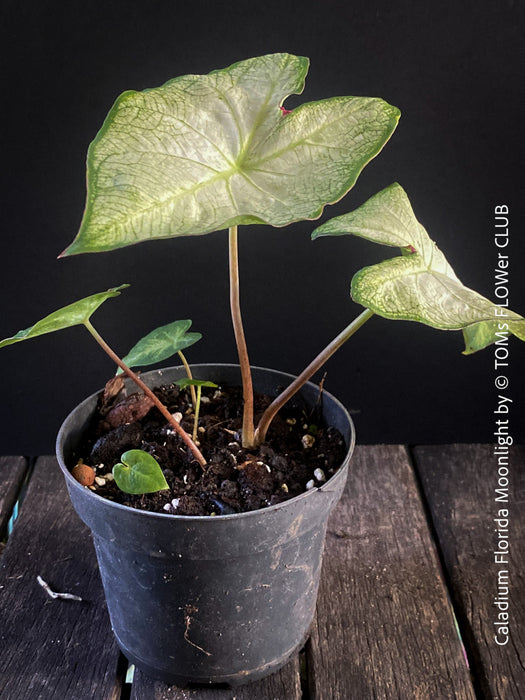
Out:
{"x": 204, "y": 153}
{"x": 209, "y": 152}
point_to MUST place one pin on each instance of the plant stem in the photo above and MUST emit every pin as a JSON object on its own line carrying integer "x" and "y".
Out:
{"x": 190, "y": 376}
{"x": 196, "y": 410}
{"x": 162, "y": 408}
{"x": 247, "y": 388}
{"x": 317, "y": 363}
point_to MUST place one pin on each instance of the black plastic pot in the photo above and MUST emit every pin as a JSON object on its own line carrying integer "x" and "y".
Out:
{"x": 223, "y": 599}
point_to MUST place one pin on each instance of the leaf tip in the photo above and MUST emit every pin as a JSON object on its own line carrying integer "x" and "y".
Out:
{"x": 70, "y": 250}
{"x": 319, "y": 232}
{"x": 120, "y": 287}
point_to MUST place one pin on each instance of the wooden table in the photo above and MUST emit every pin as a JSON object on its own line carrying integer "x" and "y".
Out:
{"x": 410, "y": 550}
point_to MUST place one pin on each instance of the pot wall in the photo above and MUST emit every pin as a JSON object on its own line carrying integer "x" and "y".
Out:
{"x": 210, "y": 599}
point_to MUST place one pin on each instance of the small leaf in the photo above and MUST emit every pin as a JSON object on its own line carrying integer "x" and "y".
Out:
{"x": 73, "y": 315}
{"x": 202, "y": 153}
{"x": 161, "y": 343}
{"x": 420, "y": 285}
{"x": 186, "y": 381}
{"x": 139, "y": 473}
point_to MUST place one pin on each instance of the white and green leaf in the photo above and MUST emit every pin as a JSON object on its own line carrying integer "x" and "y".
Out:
{"x": 206, "y": 152}
{"x": 420, "y": 285}
{"x": 161, "y": 343}
{"x": 74, "y": 314}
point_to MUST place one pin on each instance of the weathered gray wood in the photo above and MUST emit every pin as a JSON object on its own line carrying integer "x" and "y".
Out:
{"x": 384, "y": 628}
{"x": 53, "y": 648}
{"x": 459, "y": 483}
{"x": 12, "y": 474}
{"x": 284, "y": 685}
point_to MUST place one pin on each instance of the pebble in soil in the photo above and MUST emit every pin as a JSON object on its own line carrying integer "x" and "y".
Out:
{"x": 300, "y": 452}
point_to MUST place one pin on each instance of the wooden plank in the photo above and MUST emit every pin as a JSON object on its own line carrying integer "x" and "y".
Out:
{"x": 12, "y": 474}
{"x": 384, "y": 627}
{"x": 53, "y": 648}
{"x": 460, "y": 483}
{"x": 283, "y": 685}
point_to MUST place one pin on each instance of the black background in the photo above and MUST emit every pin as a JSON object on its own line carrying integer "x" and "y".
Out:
{"x": 456, "y": 72}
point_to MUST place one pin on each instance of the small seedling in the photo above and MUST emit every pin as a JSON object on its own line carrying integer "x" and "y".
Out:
{"x": 192, "y": 383}
{"x": 139, "y": 472}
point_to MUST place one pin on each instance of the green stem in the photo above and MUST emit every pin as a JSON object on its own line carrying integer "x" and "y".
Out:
{"x": 197, "y": 408}
{"x": 162, "y": 408}
{"x": 317, "y": 363}
{"x": 244, "y": 362}
{"x": 190, "y": 376}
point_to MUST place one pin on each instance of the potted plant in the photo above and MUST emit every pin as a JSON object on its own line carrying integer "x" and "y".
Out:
{"x": 228, "y": 596}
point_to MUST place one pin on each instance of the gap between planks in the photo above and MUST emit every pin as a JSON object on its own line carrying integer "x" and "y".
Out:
{"x": 384, "y": 626}
{"x": 13, "y": 473}
{"x": 54, "y": 648}
{"x": 459, "y": 483}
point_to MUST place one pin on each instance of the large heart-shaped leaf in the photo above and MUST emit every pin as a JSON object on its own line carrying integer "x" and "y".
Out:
{"x": 205, "y": 152}
{"x": 72, "y": 315}
{"x": 420, "y": 285}
{"x": 138, "y": 473}
{"x": 161, "y": 343}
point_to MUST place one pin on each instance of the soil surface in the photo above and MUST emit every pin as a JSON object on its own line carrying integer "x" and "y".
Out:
{"x": 300, "y": 452}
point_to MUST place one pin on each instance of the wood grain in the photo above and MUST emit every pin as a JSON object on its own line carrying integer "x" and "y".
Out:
{"x": 12, "y": 474}
{"x": 53, "y": 648}
{"x": 283, "y": 685}
{"x": 459, "y": 483}
{"x": 384, "y": 627}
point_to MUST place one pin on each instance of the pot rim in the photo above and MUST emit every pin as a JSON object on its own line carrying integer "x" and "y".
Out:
{"x": 73, "y": 483}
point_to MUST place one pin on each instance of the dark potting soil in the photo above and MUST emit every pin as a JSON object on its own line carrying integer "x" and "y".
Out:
{"x": 300, "y": 452}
